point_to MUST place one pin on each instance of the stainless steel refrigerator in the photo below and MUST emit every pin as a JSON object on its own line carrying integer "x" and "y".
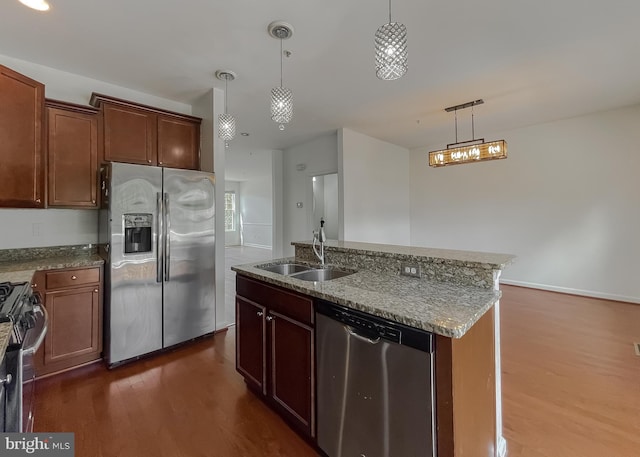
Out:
{"x": 157, "y": 232}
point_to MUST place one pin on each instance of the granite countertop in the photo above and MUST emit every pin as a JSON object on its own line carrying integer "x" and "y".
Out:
{"x": 19, "y": 265}
{"x": 488, "y": 259}
{"x": 5, "y": 334}
{"x": 444, "y": 308}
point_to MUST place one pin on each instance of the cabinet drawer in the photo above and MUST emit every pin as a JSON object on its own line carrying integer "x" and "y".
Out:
{"x": 295, "y": 306}
{"x": 71, "y": 278}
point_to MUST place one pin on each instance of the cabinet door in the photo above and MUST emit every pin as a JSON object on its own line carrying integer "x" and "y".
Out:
{"x": 129, "y": 135}
{"x": 74, "y": 335}
{"x": 21, "y": 138}
{"x": 73, "y": 158}
{"x": 251, "y": 342}
{"x": 292, "y": 368}
{"x": 178, "y": 143}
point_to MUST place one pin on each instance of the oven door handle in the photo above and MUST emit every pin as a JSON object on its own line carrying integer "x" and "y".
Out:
{"x": 31, "y": 349}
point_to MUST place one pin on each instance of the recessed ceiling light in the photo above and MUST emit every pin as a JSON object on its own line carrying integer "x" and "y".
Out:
{"x": 244, "y": 134}
{"x": 40, "y": 5}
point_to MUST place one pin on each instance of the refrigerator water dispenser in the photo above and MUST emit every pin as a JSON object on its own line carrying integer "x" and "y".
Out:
{"x": 137, "y": 233}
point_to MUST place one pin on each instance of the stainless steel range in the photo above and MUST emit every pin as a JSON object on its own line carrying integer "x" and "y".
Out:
{"x": 21, "y": 307}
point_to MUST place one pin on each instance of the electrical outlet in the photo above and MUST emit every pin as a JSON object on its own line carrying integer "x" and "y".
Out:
{"x": 412, "y": 270}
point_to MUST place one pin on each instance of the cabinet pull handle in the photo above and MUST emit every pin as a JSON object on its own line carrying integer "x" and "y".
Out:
{"x": 74, "y": 277}
{"x": 260, "y": 313}
{"x": 270, "y": 318}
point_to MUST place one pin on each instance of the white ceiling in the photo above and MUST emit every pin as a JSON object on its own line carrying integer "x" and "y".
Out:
{"x": 531, "y": 61}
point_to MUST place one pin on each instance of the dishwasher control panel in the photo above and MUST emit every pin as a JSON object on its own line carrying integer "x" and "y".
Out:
{"x": 383, "y": 331}
{"x": 377, "y": 327}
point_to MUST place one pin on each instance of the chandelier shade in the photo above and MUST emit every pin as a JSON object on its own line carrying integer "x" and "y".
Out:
{"x": 391, "y": 51}
{"x": 281, "y": 105}
{"x": 226, "y": 127}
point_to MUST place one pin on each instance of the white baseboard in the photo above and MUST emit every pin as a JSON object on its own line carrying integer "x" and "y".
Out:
{"x": 567, "y": 290}
{"x": 502, "y": 447}
{"x": 261, "y": 246}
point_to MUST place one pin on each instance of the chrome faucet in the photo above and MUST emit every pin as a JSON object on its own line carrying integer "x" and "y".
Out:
{"x": 319, "y": 237}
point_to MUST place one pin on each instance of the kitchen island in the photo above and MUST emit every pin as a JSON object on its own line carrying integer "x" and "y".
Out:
{"x": 456, "y": 297}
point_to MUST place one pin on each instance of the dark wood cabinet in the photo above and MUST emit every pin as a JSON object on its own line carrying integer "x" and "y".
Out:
{"x": 21, "y": 141}
{"x": 72, "y": 145}
{"x": 73, "y": 299}
{"x": 251, "y": 347}
{"x": 129, "y": 135}
{"x": 140, "y": 134}
{"x": 275, "y": 349}
{"x": 178, "y": 143}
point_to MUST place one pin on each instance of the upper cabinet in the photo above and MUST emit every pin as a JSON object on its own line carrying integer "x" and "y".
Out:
{"x": 72, "y": 151}
{"x": 21, "y": 141}
{"x": 135, "y": 133}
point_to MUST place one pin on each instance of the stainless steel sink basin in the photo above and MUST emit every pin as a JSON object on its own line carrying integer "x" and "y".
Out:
{"x": 325, "y": 274}
{"x": 285, "y": 268}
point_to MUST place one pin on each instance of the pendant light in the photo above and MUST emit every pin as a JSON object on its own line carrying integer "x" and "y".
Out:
{"x": 281, "y": 97}
{"x": 468, "y": 151}
{"x": 226, "y": 121}
{"x": 391, "y": 50}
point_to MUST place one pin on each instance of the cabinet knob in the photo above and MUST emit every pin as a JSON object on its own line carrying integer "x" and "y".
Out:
{"x": 38, "y": 200}
{"x": 34, "y": 285}
{"x": 149, "y": 160}
{"x": 270, "y": 318}
{"x": 74, "y": 277}
{"x": 260, "y": 313}
{"x": 93, "y": 201}
{"x": 95, "y": 290}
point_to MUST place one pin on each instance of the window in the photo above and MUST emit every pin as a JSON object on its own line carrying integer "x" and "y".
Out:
{"x": 230, "y": 211}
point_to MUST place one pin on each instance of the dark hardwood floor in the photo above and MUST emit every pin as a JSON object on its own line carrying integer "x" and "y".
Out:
{"x": 571, "y": 387}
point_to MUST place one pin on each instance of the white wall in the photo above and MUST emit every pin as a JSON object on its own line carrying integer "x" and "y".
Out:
{"x": 256, "y": 212}
{"x": 331, "y": 199}
{"x": 319, "y": 156}
{"x": 566, "y": 202}
{"x": 49, "y": 227}
{"x": 373, "y": 181}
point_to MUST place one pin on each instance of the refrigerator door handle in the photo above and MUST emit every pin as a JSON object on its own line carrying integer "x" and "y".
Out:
{"x": 159, "y": 240}
{"x": 167, "y": 238}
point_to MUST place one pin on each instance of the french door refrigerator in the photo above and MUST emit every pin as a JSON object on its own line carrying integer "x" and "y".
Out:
{"x": 157, "y": 232}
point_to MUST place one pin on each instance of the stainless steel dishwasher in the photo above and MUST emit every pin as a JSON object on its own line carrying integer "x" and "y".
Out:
{"x": 375, "y": 389}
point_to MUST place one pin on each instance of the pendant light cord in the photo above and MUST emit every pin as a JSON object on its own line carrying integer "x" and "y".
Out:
{"x": 473, "y": 128}
{"x": 389, "y": 11}
{"x": 281, "y": 62}
{"x": 456, "y": 115}
{"x": 226, "y": 93}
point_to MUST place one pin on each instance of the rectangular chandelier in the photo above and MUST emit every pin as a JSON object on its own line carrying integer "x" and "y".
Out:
{"x": 478, "y": 151}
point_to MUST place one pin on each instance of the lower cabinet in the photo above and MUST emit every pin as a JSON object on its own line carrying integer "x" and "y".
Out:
{"x": 73, "y": 299}
{"x": 275, "y": 349}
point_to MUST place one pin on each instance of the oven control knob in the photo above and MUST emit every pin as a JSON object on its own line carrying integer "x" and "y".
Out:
{"x": 6, "y": 381}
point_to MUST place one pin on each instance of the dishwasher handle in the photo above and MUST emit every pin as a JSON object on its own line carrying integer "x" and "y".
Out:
{"x": 354, "y": 333}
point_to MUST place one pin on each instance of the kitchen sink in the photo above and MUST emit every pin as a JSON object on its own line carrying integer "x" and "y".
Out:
{"x": 285, "y": 268}
{"x": 324, "y": 274}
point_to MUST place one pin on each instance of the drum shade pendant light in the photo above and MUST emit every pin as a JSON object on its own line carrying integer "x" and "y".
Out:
{"x": 226, "y": 121}
{"x": 281, "y": 97}
{"x": 391, "y": 50}
{"x": 468, "y": 151}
